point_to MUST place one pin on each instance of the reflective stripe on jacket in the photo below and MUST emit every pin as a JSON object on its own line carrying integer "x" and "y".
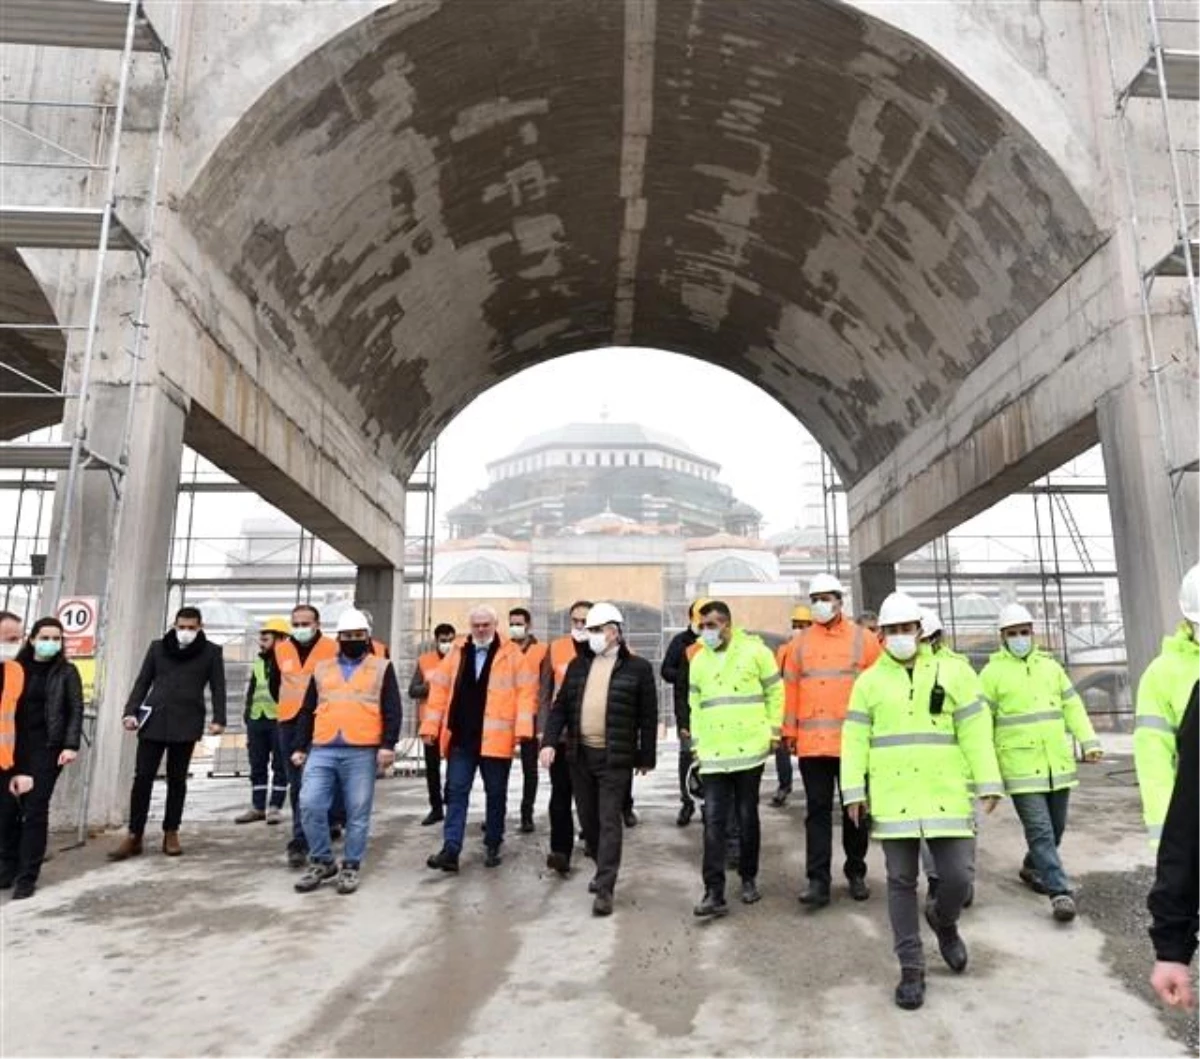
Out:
{"x": 262, "y": 705}
{"x": 819, "y": 672}
{"x": 1162, "y": 698}
{"x": 294, "y": 675}
{"x": 1033, "y": 706}
{"x": 736, "y": 702}
{"x": 508, "y": 710}
{"x": 14, "y": 686}
{"x": 349, "y": 710}
{"x": 918, "y": 770}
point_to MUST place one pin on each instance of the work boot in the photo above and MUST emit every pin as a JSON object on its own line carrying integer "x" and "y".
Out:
{"x": 23, "y": 889}
{"x": 527, "y": 827}
{"x": 1031, "y": 879}
{"x": 297, "y": 856}
{"x": 171, "y": 846}
{"x": 750, "y": 892}
{"x": 492, "y": 858}
{"x": 910, "y": 993}
{"x": 1063, "y": 907}
{"x": 950, "y": 943}
{"x": 712, "y": 906}
{"x": 859, "y": 889}
{"x": 347, "y": 880}
{"x": 603, "y": 905}
{"x": 686, "y": 811}
{"x": 630, "y": 818}
{"x": 443, "y": 860}
{"x": 559, "y": 862}
{"x": 434, "y": 816}
{"x": 315, "y": 874}
{"x": 131, "y": 846}
{"x": 274, "y": 816}
{"x": 250, "y": 816}
{"x": 780, "y": 798}
{"x": 817, "y": 894}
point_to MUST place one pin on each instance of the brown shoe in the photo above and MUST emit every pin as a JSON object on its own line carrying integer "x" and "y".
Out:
{"x": 131, "y": 846}
{"x": 171, "y": 846}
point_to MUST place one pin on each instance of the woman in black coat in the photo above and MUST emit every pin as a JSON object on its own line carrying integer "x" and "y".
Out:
{"x": 49, "y": 724}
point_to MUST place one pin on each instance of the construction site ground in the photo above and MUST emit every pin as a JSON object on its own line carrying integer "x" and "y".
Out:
{"x": 213, "y": 953}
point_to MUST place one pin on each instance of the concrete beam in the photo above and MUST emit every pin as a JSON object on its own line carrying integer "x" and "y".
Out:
{"x": 380, "y": 590}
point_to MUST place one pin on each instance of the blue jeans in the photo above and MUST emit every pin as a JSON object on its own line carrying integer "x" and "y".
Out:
{"x": 460, "y": 775}
{"x": 328, "y": 770}
{"x": 285, "y": 735}
{"x": 1044, "y": 818}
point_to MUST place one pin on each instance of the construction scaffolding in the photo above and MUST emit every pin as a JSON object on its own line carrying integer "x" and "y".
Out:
{"x": 100, "y": 225}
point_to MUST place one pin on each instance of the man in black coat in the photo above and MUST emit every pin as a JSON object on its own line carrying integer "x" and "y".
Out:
{"x": 675, "y": 672}
{"x": 167, "y": 710}
{"x": 608, "y": 710}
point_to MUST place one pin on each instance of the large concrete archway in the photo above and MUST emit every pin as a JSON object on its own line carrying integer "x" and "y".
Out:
{"x": 36, "y": 355}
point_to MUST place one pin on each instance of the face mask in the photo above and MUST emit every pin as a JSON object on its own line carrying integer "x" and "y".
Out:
{"x": 186, "y": 637}
{"x": 482, "y": 644}
{"x": 1020, "y": 645}
{"x": 303, "y": 633}
{"x": 711, "y": 638}
{"x": 353, "y": 649}
{"x": 47, "y": 649}
{"x": 902, "y": 645}
{"x": 598, "y": 642}
{"x": 516, "y": 632}
{"x": 8, "y": 651}
{"x": 444, "y": 647}
{"x": 824, "y": 611}
{"x": 579, "y": 635}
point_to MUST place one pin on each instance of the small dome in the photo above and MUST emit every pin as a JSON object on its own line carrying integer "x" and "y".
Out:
{"x": 480, "y": 571}
{"x": 218, "y": 614}
{"x": 732, "y": 569}
{"x": 973, "y": 607}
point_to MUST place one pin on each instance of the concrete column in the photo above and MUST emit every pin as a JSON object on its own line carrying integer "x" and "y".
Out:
{"x": 137, "y": 552}
{"x": 873, "y": 581}
{"x": 1154, "y": 511}
{"x": 380, "y": 589}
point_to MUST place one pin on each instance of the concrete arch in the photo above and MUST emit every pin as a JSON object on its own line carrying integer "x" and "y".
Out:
{"x": 441, "y": 197}
{"x": 38, "y": 354}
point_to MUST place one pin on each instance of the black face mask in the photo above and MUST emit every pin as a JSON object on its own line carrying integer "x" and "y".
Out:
{"x": 353, "y": 649}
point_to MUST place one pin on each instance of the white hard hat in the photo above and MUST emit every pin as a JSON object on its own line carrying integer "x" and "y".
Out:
{"x": 931, "y": 623}
{"x": 899, "y": 609}
{"x": 1013, "y": 614}
{"x": 352, "y": 620}
{"x": 825, "y": 583}
{"x": 603, "y": 614}
{"x": 1189, "y": 594}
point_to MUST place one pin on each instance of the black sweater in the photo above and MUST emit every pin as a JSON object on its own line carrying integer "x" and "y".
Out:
{"x": 172, "y": 682}
{"x": 675, "y": 672}
{"x": 50, "y": 711}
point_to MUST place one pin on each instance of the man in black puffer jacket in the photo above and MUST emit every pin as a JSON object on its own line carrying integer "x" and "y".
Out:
{"x": 608, "y": 710}
{"x": 167, "y": 709}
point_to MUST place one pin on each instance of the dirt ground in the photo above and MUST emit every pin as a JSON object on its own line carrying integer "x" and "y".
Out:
{"x": 214, "y": 954}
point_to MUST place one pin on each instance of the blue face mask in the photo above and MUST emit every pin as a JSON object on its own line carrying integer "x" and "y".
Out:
{"x": 1020, "y": 645}
{"x": 711, "y": 638}
{"x": 46, "y": 649}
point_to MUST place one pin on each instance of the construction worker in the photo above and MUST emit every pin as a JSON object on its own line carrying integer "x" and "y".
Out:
{"x": 736, "y": 703}
{"x": 12, "y": 635}
{"x": 912, "y": 726}
{"x": 1163, "y": 694}
{"x": 674, "y": 672}
{"x": 520, "y": 631}
{"x": 1034, "y": 706}
{"x": 418, "y": 691}
{"x": 481, "y": 704}
{"x": 261, "y": 717}
{"x": 346, "y": 731}
{"x": 801, "y": 619}
{"x": 822, "y": 663}
{"x": 562, "y": 652}
{"x": 378, "y": 648}
{"x": 607, "y": 711}
{"x": 297, "y": 658}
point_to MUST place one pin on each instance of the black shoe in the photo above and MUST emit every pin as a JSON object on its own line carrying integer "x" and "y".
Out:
{"x": 559, "y": 862}
{"x": 22, "y": 889}
{"x": 434, "y": 816}
{"x": 593, "y": 887}
{"x": 950, "y": 943}
{"x": 527, "y": 827}
{"x": 1061, "y": 905}
{"x": 1031, "y": 879}
{"x": 296, "y": 857}
{"x": 493, "y": 858}
{"x": 780, "y": 797}
{"x": 630, "y": 818}
{"x": 713, "y": 906}
{"x": 859, "y": 889}
{"x": 817, "y": 894}
{"x": 347, "y": 880}
{"x": 686, "y": 811}
{"x": 443, "y": 860}
{"x": 603, "y": 905}
{"x": 315, "y": 874}
{"x": 750, "y": 892}
{"x": 910, "y": 993}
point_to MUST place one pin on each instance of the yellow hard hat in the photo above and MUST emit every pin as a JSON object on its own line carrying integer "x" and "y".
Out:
{"x": 279, "y": 625}
{"x": 801, "y": 613}
{"x": 697, "y": 606}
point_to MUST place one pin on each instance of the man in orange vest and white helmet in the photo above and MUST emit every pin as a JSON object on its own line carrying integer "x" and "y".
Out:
{"x": 801, "y": 620}
{"x": 819, "y": 672}
{"x": 418, "y": 691}
{"x": 481, "y": 703}
{"x": 345, "y": 732}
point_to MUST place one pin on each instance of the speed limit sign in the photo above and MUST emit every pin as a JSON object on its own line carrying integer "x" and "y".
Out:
{"x": 78, "y": 617}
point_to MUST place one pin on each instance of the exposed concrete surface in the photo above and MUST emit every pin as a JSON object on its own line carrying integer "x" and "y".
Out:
{"x": 214, "y": 954}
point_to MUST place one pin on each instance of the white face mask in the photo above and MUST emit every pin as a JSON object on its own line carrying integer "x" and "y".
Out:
{"x": 516, "y": 632}
{"x": 598, "y": 642}
{"x": 8, "y": 651}
{"x": 303, "y": 633}
{"x": 824, "y": 611}
{"x": 444, "y": 647}
{"x": 711, "y": 638}
{"x": 902, "y": 645}
{"x": 1020, "y": 645}
{"x": 186, "y": 637}
{"x": 579, "y": 635}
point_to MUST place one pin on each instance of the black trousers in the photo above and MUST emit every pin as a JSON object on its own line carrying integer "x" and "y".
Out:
{"x": 433, "y": 776}
{"x": 529, "y": 771}
{"x": 25, "y": 821}
{"x": 685, "y": 764}
{"x": 820, "y": 775}
{"x": 600, "y": 793}
{"x": 726, "y": 792}
{"x": 262, "y": 747}
{"x": 149, "y": 757}
{"x": 562, "y": 815}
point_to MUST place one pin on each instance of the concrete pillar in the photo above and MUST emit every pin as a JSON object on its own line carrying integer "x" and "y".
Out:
{"x": 1154, "y": 512}
{"x": 380, "y": 589}
{"x": 137, "y": 551}
{"x": 873, "y": 581}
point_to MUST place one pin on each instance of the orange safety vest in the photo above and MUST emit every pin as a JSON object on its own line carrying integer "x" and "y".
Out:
{"x": 349, "y": 711}
{"x": 562, "y": 654}
{"x": 781, "y": 655}
{"x": 819, "y": 672}
{"x": 508, "y": 712}
{"x": 294, "y": 676}
{"x": 427, "y": 664}
{"x": 14, "y": 686}
{"x": 535, "y": 654}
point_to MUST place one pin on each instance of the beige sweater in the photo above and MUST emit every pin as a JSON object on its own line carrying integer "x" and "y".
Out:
{"x": 594, "y": 715}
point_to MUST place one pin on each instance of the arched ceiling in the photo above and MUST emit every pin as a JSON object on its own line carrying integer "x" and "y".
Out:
{"x": 35, "y": 355}
{"x": 452, "y": 192}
